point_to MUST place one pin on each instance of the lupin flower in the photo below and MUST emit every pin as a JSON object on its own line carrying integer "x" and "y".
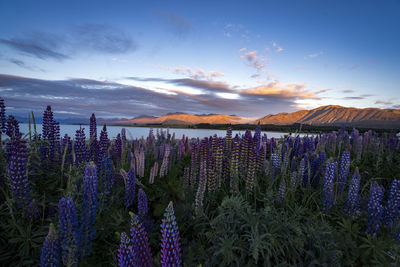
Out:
{"x": 47, "y": 126}
{"x": 352, "y": 195}
{"x": 251, "y": 171}
{"x": 276, "y": 164}
{"x": 126, "y": 255}
{"x": 2, "y": 116}
{"x": 12, "y": 127}
{"x": 105, "y": 175}
{"x": 142, "y": 203}
{"x": 375, "y": 209}
{"x": 201, "y": 186}
{"x": 392, "y": 208}
{"x": 194, "y": 164}
{"x": 18, "y": 157}
{"x": 229, "y": 138}
{"x": 94, "y": 145}
{"x": 140, "y": 243}
{"x": 327, "y": 194}
{"x": 211, "y": 179}
{"x": 130, "y": 187}
{"x": 344, "y": 170}
{"x": 257, "y": 136}
{"x": 118, "y": 147}
{"x": 69, "y": 231}
{"x": 50, "y": 256}
{"x": 170, "y": 241}
{"x": 80, "y": 146}
{"x": 89, "y": 209}
{"x": 281, "y": 191}
{"x": 66, "y": 147}
{"x": 104, "y": 142}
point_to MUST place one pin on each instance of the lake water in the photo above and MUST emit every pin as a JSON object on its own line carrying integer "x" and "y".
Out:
{"x": 138, "y": 132}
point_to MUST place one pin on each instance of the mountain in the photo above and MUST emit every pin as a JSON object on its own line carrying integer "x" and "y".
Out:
{"x": 338, "y": 115}
{"x": 184, "y": 118}
{"x": 325, "y": 115}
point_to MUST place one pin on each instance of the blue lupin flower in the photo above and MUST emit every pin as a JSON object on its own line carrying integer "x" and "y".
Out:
{"x": 2, "y": 116}
{"x": 281, "y": 191}
{"x": 344, "y": 170}
{"x": 89, "y": 209}
{"x": 126, "y": 255}
{"x": 80, "y": 146}
{"x": 17, "y": 162}
{"x": 50, "y": 256}
{"x": 327, "y": 194}
{"x": 140, "y": 243}
{"x": 69, "y": 231}
{"x": 375, "y": 209}
{"x": 352, "y": 195}
{"x": 130, "y": 187}
{"x": 276, "y": 164}
{"x": 170, "y": 241}
{"x": 392, "y": 208}
{"x": 142, "y": 203}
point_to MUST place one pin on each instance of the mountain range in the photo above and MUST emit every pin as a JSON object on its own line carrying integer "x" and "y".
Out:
{"x": 325, "y": 115}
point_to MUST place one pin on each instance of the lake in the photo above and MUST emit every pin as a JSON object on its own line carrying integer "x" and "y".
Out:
{"x": 138, "y": 132}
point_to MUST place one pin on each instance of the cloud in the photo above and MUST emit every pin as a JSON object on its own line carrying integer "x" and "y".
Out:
{"x": 85, "y": 38}
{"x": 177, "y": 23}
{"x": 102, "y": 38}
{"x": 348, "y": 91}
{"x": 277, "y": 90}
{"x": 383, "y": 102}
{"x": 357, "y": 97}
{"x": 194, "y": 73}
{"x": 113, "y": 99}
{"x": 254, "y": 60}
{"x": 35, "y": 46}
{"x": 311, "y": 56}
{"x": 277, "y": 47}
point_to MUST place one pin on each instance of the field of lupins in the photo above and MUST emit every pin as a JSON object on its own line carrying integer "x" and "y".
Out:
{"x": 330, "y": 199}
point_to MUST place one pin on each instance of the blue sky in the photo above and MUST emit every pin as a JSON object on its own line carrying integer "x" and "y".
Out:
{"x": 127, "y": 58}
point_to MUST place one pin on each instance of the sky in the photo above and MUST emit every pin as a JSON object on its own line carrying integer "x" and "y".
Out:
{"x": 122, "y": 59}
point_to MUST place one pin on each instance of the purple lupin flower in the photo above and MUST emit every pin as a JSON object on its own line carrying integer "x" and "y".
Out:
{"x": 12, "y": 127}
{"x": 94, "y": 145}
{"x": 104, "y": 142}
{"x": 142, "y": 203}
{"x": 105, "y": 175}
{"x": 344, "y": 170}
{"x": 69, "y": 231}
{"x": 201, "y": 186}
{"x": 80, "y": 146}
{"x": 89, "y": 209}
{"x": 170, "y": 241}
{"x": 276, "y": 164}
{"x": 18, "y": 157}
{"x": 281, "y": 191}
{"x": 211, "y": 179}
{"x": 47, "y": 126}
{"x": 50, "y": 256}
{"x": 126, "y": 255}
{"x": 140, "y": 243}
{"x": 2, "y": 116}
{"x": 118, "y": 147}
{"x": 327, "y": 194}
{"x": 251, "y": 171}
{"x": 130, "y": 187}
{"x": 352, "y": 195}
{"x": 392, "y": 208}
{"x": 375, "y": 209}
